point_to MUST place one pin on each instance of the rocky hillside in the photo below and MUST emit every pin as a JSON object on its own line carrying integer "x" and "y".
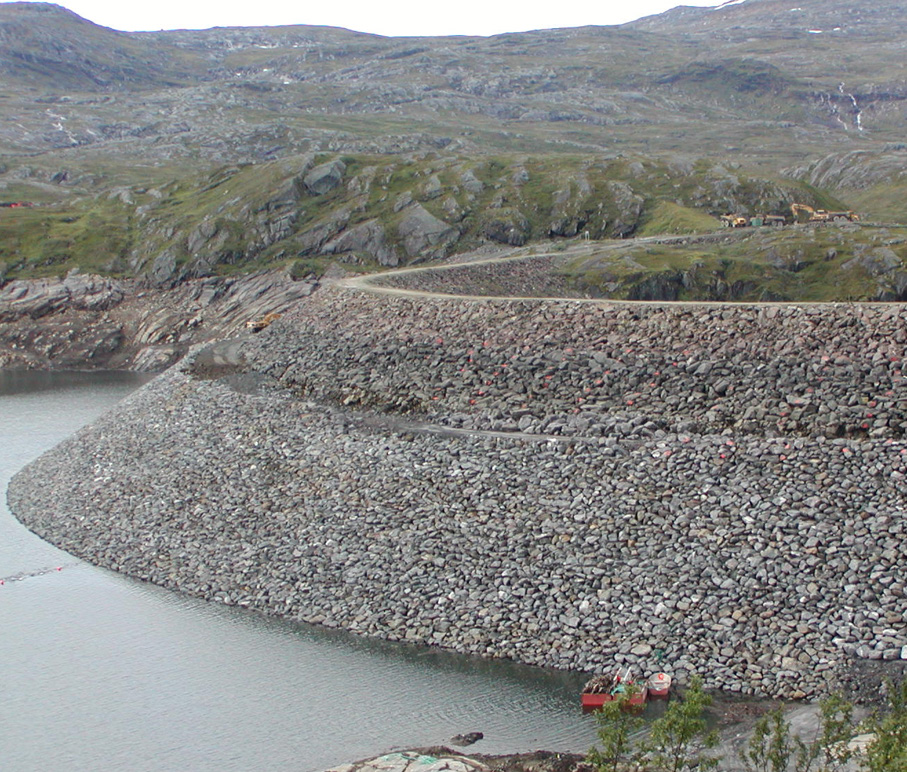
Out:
{"x": 172, "y": 155}
{"x": 825, "y": 69}
{"x": 801, "y": 263}
{"x": 88, "y": 321}
{"x": 49, "y": 47}
{"x": 368, "y": 212}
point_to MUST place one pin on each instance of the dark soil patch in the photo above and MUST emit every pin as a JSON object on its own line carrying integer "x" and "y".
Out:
{"x": 865, "y": 682}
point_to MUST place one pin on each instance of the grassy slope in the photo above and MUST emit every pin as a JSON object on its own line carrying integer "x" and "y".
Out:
{"x": 803, "y": 263}
{"x": 886, "y": 201}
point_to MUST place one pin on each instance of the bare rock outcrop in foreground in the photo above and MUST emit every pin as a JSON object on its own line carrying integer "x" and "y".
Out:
{"x": 717, "y": 490}
{"x": 86, "y": 321}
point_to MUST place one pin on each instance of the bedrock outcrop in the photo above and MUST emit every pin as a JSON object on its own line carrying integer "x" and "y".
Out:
{"x": 84, "y": 321}
{"x": 718, "y": 490}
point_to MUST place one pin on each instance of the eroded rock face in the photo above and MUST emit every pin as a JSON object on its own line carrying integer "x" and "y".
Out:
{"x": 163, "y": 269}
{"x": 506, "y": 226}
{"x": 312, "y": 240}
{"x": 86, "y": 321}
{"x": 571, "y": 207}
{"x": 368, "y": 238}
{"x": 629, "y": 207}
{"x": 42, "y": 297}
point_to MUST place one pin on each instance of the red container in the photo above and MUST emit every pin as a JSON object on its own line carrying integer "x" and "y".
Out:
{"x": 594, "y": 701}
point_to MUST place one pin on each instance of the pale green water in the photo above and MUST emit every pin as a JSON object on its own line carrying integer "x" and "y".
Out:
{"x": 99, "y": 672}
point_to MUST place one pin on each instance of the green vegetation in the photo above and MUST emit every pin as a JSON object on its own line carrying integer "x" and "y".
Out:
{"x": 668, "y": 217}
{"x": 807, "y": 263}
{"x": 773, "y": 748}
{"x": 40, "y": 243}
{"x": 770, "y": 747}
{"x": 888, "y": 751}
{"x": 250, "y": 216}
{"x": 887, "y": 201}
{"x": 678, "y": 741}
{"x": 828, "y": 751}
{"x": 618, "y": 731}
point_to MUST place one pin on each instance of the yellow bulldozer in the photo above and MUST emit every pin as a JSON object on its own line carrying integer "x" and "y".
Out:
{"x": 257, "y": 325}
{"x": 822, "y": 215}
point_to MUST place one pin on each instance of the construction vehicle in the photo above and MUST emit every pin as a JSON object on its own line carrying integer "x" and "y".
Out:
{"x": 771, "y": 220}
{"x": 756, "y": 221}
{"x": 734, "y": 220}
{"x": 257, "y": 325}
{"x": 822, "y": 215}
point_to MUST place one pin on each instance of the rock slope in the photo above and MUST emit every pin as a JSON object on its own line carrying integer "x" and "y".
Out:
{"x": 92, "y": 322}
{"x": 713, "y": 489}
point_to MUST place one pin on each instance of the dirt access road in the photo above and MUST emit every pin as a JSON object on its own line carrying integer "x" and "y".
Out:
{"x": 373, "y": 282}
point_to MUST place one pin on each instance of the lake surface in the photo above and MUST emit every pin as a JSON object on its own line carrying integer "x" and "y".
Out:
{"x": 100, "y": 672}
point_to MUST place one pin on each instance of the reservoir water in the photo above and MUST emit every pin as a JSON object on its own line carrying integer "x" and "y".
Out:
{"x": 100, "y": 672}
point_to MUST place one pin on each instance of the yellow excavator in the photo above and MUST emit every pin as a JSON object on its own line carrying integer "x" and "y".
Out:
{"x": 822, "y": 215}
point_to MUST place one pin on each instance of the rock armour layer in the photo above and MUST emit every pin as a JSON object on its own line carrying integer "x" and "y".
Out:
{"x": 713, "y": 522}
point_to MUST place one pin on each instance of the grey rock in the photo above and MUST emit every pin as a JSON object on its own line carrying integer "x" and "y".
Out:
{"x": 468, "y": 738}
{"x": 471, "y": 183}
{"x": 163, "y": 269}
{"x": 324, "y": 178}
{"x": 432, "y": 188}
{"x": 421, "y": 230}
{"x": 368, "y": 237}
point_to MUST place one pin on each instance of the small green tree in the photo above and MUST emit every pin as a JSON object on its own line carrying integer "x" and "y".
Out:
{"x": 680, "y": 740}
{"x": 618, "y": 727}
{"x": 770, "y": 747}
{"x": 828, "y": 750}
{"x": 888, "y": 752}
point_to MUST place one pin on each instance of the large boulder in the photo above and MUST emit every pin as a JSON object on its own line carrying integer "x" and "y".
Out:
{"x": 420, "y": 230}
{"x": 368, "y": 237}
{"x": 163, "y": 269}
{"x": 507, "y": 226}
{"x": 324, "y": 178}
{"x": 312, "y": 240}
{"x": 471, "y": 183}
